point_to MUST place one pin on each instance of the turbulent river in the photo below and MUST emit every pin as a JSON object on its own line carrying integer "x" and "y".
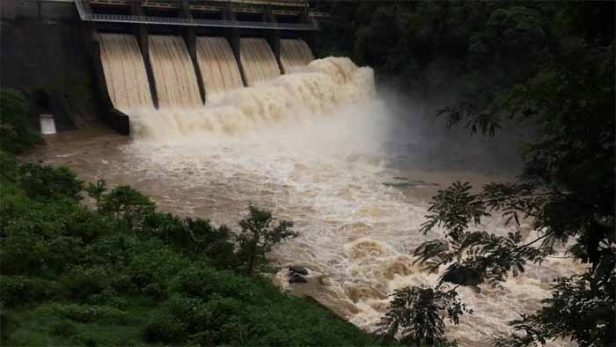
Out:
{"x": 323, "y": 149}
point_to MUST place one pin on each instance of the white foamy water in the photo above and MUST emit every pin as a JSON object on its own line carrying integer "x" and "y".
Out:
{"x": 291, "y": 99}
{"x": 310, "y": 146}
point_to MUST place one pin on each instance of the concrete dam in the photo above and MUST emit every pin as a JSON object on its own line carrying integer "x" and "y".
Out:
{"x": 161, "y": 53}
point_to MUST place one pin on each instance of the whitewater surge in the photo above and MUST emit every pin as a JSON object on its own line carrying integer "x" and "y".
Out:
{"x": 326, "y": 85}
{"x": 312, "y": 147}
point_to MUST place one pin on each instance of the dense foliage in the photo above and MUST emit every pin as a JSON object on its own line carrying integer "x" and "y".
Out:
{"x": 415, "y": 312}
{"x": 258, "y": 236}
{"x": 549, "y": 63}
{"x": 122, "y": 273}
{"x": 434, "y": 47}
{"x": 14, "y": 128}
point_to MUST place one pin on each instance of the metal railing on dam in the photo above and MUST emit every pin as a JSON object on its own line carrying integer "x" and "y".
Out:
{"x": 86, "y": 15}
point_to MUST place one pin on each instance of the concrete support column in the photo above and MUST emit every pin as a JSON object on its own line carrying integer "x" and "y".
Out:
{"x": 233, "y": 36}
{"x": 93, "y": 46}
{"x": 190, "y": 38}
{"x": 116, "y": 119}
{"x": 141, "y": 32}
{"x": 273, "y": 37}
{"x": 86, "y": 6}
{"x": 7, "y": 9}
{"x": 309, "y": 37}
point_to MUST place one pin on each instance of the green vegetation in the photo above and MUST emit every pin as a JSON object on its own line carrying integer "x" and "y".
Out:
{"x": 549, "y": 63}
{"x": 14, "y": 134}
{"x": 415, "y": 312}
{"x": 125, "y": 274}
{"x": 257, "y": 237}
{"x": 430, "y": 48}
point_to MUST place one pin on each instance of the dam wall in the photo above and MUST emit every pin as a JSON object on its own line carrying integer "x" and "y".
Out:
{"x": 42, "y": 10}
{"x": 100, "y": 59}
{"x": 48, "y": 61}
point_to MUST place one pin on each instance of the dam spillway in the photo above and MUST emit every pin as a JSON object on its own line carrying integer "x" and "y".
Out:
{"x": 258, "y": 60}
{"x": 174, "y": 73}
{"x": 125, "y": 72}
{"x": 295, "y": 55}
{"x": 194, "y": 51}
{"x": 218, "y": 66}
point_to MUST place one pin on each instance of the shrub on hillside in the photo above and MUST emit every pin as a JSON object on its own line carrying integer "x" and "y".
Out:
{"x": 216, "y": 243}
{"x": 85, "y": 313}
{"x": 45, "y": 237}
{"x": 226, "y": 323}
{"x": 15, "y": 136}
{"x": 34, "y": 255}
{"x": 197, "y": 236}
{"x": 114, "y": 249}
{"x": 48, "y": 182}
{"x": 5, "y": 322}
{"x": 63, "y": 328}
{"x": 82, "y": 282}
{"x": 257, "y": 237}
{"x": 163, "y": 327}
{"x": 109, "y": 297}
{"x": 204, "y": 282}
{"x": 151, "y": 269}
{"x": 9, "y": 166}
{"x": 20, "y": 290}
{"x": 194, "y": 321}
{"x": 122, "y": 203}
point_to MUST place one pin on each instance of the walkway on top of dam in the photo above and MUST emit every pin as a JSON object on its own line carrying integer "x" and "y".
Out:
{"x": 86, "y": 14}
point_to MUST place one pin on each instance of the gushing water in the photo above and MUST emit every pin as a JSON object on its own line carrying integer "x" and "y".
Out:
{"x": 125, "y": 73}
{"x": 258, "y": 61}
{"x": 174, "y": 73}
{"x": 218, "y": 66}
{"x": 313, "y": 148}
{"x": 290, "y": 99}
{"x": 295, "y": 55}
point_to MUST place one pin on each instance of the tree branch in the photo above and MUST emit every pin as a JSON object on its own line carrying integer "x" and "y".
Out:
{"x": 534, "y": 241}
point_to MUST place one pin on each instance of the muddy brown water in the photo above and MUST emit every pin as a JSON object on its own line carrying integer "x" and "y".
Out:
{"x": 354, "y": 170}
{"x": 358, "y": 219}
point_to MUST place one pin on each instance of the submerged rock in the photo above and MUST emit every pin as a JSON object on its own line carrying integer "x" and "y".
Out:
{"x": 299, "y": 270}
{"x": 297, "y": 278}
{"x": 397, "y": 185}
{"x": 409, "y": 183}
{"x": 464, "y": 276}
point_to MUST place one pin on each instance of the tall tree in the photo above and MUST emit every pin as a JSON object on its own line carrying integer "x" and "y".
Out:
{"x": 257, "y": 237}
{"x": 566, "y": 188}
{"x": 416, "y": 313}
{"x": 548, "y": 63}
